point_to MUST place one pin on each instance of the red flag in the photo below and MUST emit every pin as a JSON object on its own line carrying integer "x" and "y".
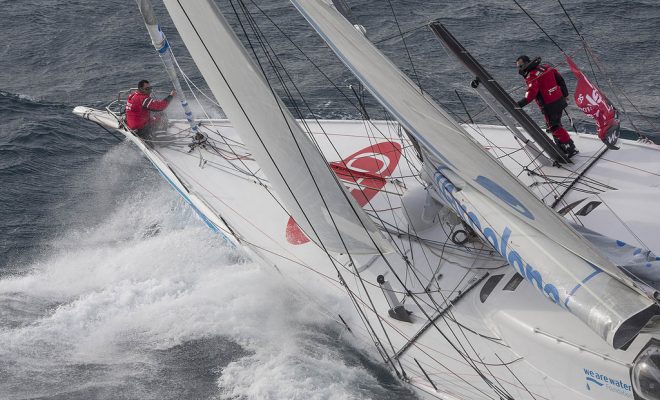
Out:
{"x": 592, "y": 102}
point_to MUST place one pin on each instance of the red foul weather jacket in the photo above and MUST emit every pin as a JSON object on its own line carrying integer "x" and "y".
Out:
{"x": 138, "y": 109}
{"x": 545, "y": 85}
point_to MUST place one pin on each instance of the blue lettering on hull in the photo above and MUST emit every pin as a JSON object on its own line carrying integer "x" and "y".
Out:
{"x": 514, "y": 259}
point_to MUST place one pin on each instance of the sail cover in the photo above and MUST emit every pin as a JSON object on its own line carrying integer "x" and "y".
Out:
{"x": 295, "y": 168}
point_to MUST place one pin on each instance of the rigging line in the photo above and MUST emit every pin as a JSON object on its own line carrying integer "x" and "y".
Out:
{"x": 515, "y": 376}
{"x": 464, "y": 106}
{"x": 584, "y": 41}
{"x": 306, "y": 56}
{"x": 409, "y": 148}
{"x": 447, "y": 310}
{"x": 367, "y": 293}
{"x": 590, "y": 55}
{"x": 594, "y": 182}
{"x": 314, "y": 182}
{"x": 360, "y": 311}
{"x": 403, "y": 39}
{"x": 188, "y": 81}
{"x": 486, "y": 365}
{"x": 401, "y": 34}
{"x": 265, "y": 45}
{"x": 300, "y": 94}
{"x": 492, "y": 144}
{"x": 336, "y": 282}
{"x": 596, "y": 187}
{"x": 631, "y": 167}
{"x": 232, "y": 170}
{"x": 539, "y": 26}
{"x": 341, "y": 238}
{"x": 439, "y": 309}
{"x": 628, "y": 228}
{"x": 259, "y": 38}
{"x": 231, "y": 90}
{"x": 575, "y": 181}
{"x": 616, "y": 89}
{"x": 232, "y": 165}
{"x": 466, "y": 251}
{"x": 419, "y": 347}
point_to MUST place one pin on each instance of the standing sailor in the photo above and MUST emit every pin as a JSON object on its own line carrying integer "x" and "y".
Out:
{"x": 138, "y": 110}
{"x": 547, "y": 87}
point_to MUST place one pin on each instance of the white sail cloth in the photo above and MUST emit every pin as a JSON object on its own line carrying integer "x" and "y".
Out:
{"x": 515, "y": 218}
{"x": 295, "y": 168}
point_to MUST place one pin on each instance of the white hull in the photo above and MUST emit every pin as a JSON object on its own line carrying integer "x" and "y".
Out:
{"x": 520, "y": 342}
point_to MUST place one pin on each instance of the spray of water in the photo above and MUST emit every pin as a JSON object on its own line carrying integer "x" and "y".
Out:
{"x": 139, "y": 299}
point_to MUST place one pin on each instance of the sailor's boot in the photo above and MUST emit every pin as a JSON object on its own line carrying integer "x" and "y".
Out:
{"x": 569, "y": 148}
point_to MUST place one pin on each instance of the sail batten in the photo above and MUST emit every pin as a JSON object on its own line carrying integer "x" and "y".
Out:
{"x": 298, "y": 173}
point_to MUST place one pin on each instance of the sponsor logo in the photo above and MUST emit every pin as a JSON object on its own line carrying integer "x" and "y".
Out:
{"x": 503, "y": 195}
{"x": 499, "y": 242}
{"x": 596, "y": 380}
{"x": 367, "y": 169}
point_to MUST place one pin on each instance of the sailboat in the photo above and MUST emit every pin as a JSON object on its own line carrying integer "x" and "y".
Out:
{"x": 482, "y": 263}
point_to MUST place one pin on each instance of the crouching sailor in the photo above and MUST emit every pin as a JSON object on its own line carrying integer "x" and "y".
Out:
{"x": 138, "y": 110}
{"x": 547, "y": 87}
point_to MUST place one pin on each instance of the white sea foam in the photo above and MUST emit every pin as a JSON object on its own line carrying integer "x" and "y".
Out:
{"x": 147, "y": 278}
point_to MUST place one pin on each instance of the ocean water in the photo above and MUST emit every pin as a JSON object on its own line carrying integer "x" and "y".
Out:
{"x": 112, "y": 288}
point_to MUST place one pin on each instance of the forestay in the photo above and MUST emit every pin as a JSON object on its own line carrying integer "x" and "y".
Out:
{"x": 297, "y": 171}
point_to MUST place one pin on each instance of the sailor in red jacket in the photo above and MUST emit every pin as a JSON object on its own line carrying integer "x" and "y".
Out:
{"x": 139, "y": 106}
{"x": 547, "y": 87}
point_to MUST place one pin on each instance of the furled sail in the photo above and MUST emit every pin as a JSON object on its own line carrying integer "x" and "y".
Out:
{"x": 537, "y": 242}
{"x": 297, "y": 171}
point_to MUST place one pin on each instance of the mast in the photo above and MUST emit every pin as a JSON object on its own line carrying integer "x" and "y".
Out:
{"x": 165, "y": 52}
{"x": 498, "y": 93}
{"x": 507, "y": 119}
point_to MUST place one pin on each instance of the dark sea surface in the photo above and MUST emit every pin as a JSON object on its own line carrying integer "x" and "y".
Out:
{"x": 112, "y": 288}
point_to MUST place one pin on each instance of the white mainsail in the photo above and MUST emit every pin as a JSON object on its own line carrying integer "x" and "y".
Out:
{"x": 547, "y": 251}
{"x": 297, "y": 171}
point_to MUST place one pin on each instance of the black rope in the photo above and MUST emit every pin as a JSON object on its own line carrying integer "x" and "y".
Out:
{"x": 403, "y": 39}
{"x": 462, "y": 353}
{"x": 539, "y": 26}
{"x": 584, "y": 42}
{"x": 464, "y": 106}
{"x": 325, "y": 205}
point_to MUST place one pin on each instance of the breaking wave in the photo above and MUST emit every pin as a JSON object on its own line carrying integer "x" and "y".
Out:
{"x": 137, "y": 298}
